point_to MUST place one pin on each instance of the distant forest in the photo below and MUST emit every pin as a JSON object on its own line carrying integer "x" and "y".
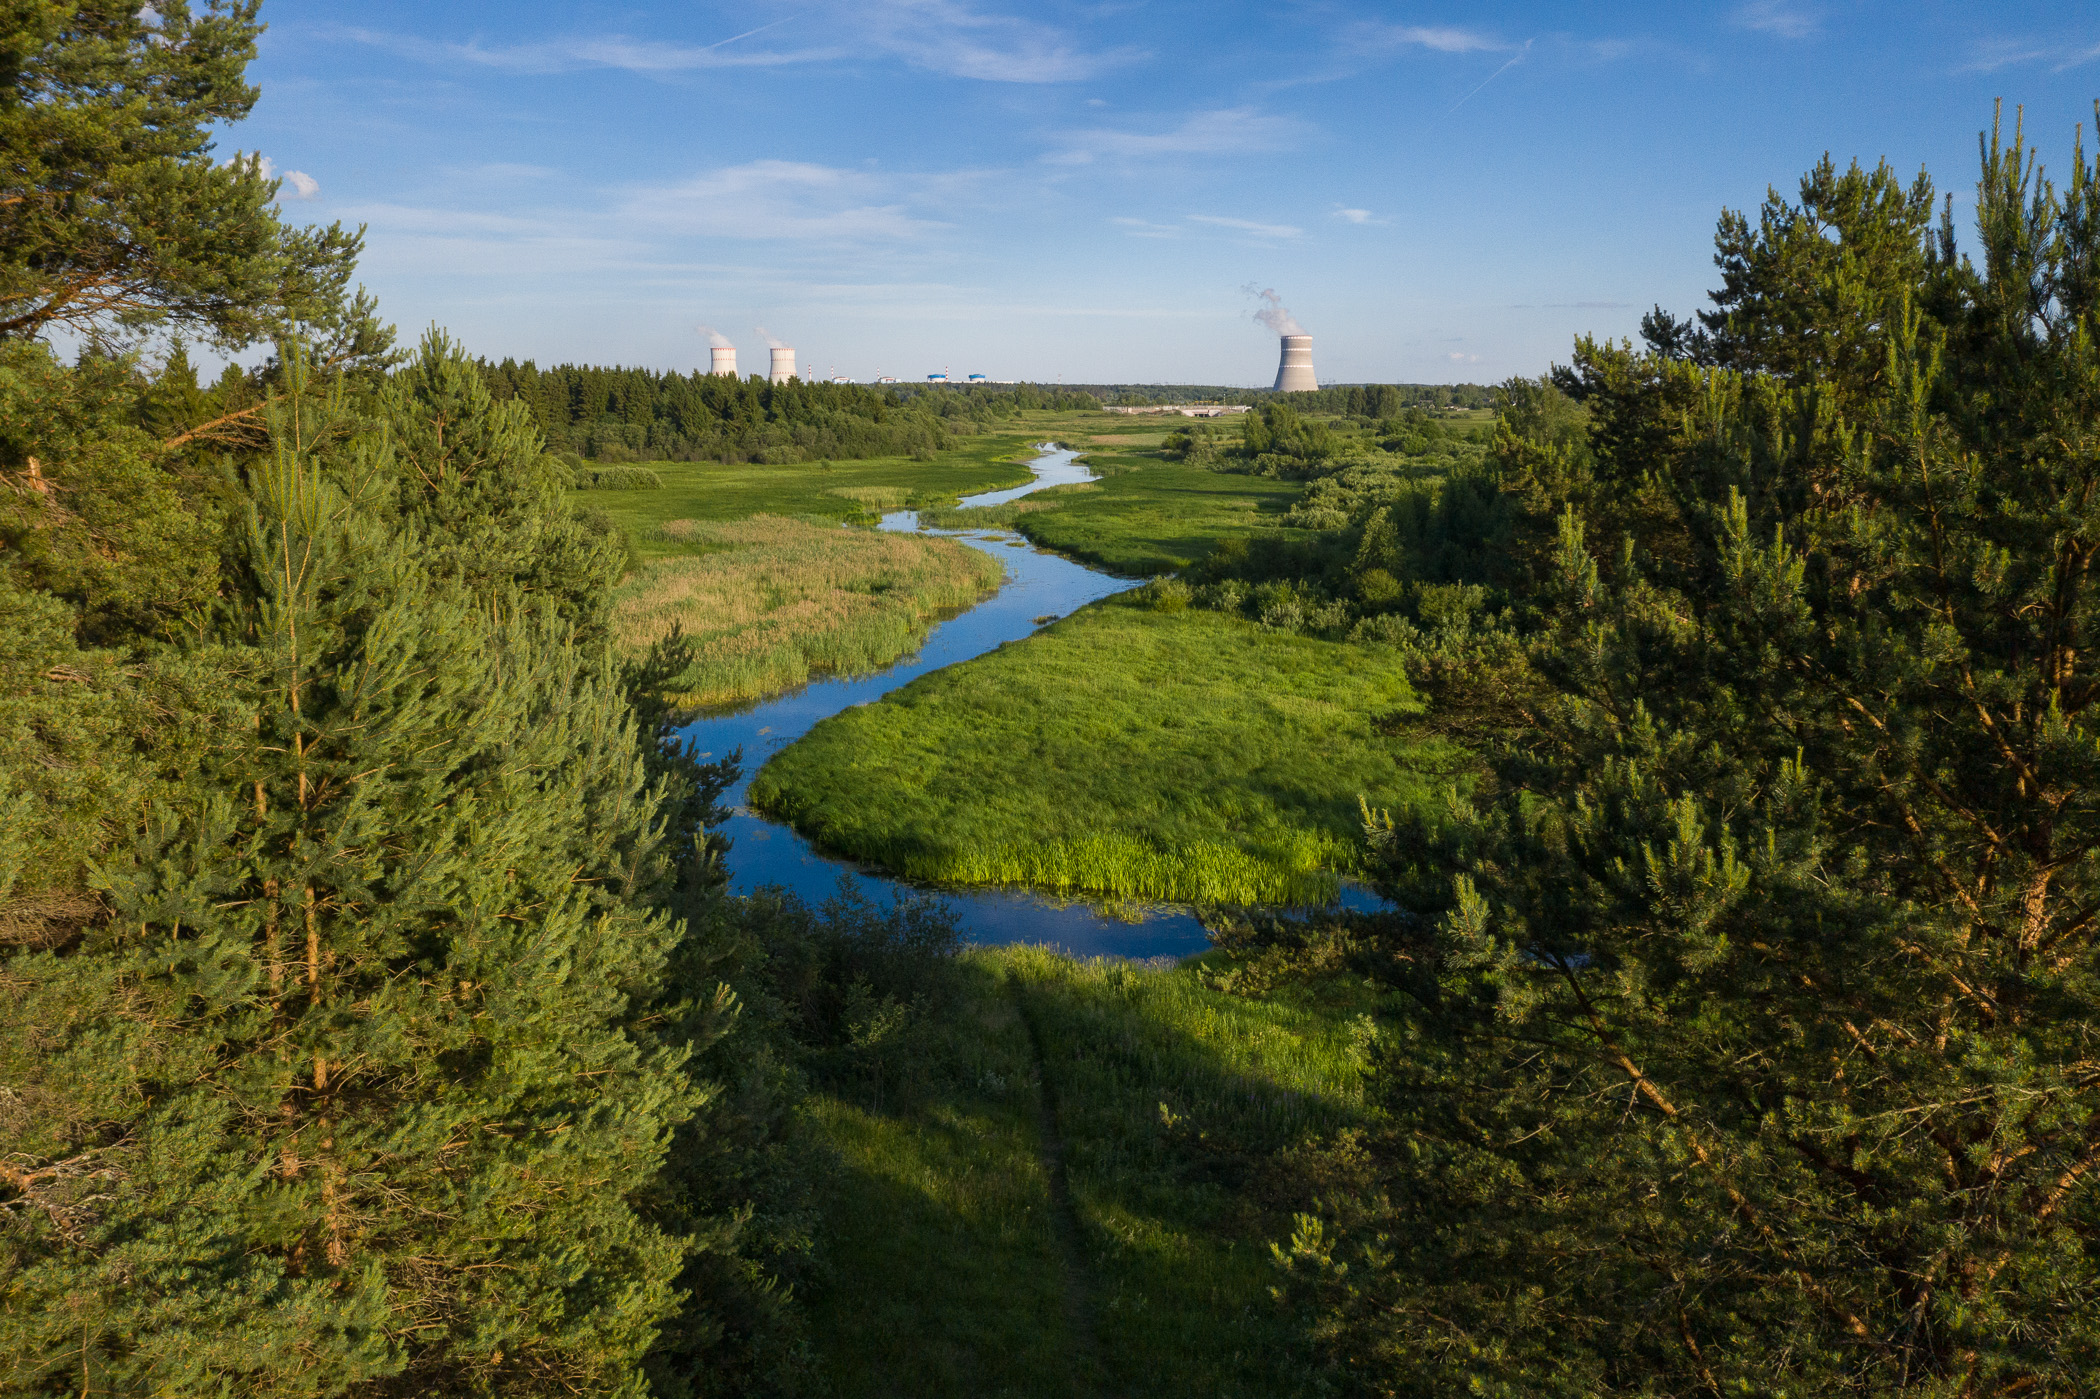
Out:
{"x": 1356, "y": 400}
{"x": 623, "y": 415}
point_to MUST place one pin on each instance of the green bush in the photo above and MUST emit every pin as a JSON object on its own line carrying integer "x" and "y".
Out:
{"x": 619, "y": 478}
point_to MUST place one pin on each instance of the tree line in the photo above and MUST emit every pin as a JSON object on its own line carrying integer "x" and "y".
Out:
{"x": 626, "y": 415}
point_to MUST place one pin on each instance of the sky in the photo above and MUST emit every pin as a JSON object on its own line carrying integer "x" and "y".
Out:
{"x": 1094, "y": 192}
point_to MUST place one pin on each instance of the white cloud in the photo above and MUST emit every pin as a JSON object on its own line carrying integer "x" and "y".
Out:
{"x": 1441, "y": 39}
{"x": 1259, "y": 230}
{"x": 1229, "y": 131}
{"x": 1460, "y": 357}
{"x": 1780, "y": 17}
{"x": 304, "y": 186}
{"x": 953, "y": 37}
{"x": 783, "y": 199}
{"x": 1992, "y": 54}
{"x": 1145, "y": 228}
{"x": 942, "y": 36}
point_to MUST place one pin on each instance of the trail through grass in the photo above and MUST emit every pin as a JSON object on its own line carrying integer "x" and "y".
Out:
{"x": 1122, "y": 752}
{"x": 771, "y": 602}
{"x": 1178, "y": 1110}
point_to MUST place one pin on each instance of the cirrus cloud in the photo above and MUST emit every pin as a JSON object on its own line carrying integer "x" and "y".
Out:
{"x": 1226, "y": 131}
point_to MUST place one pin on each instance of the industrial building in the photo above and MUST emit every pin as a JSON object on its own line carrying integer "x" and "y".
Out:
{"x": 1295, "y": 373}
{"x": 722, "y": 360}
{"x": 783, "y": 364}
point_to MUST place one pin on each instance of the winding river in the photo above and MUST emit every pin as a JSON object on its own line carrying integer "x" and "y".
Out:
{"x": 1039, "y": 588}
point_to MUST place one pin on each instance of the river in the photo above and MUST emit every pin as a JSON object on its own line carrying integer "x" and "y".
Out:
{"x": 1040, "y": 587}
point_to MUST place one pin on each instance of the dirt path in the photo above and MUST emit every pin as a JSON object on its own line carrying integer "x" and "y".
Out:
{"x": 1089, "y": 1375}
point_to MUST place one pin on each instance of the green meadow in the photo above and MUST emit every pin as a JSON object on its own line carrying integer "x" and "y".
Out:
{"x": 830, "y": 490}
{"x": 1145, "y": 515}
{"x": 1122, "y": 753}
{"x": 755, "y": 565}
{"x": 1077, "y": 1190}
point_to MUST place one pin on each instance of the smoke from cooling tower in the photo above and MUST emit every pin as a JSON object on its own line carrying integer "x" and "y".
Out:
{"x": 714, "y": 337}
{"x": 1273, "y": 313}
{"x": 772, "y": 342}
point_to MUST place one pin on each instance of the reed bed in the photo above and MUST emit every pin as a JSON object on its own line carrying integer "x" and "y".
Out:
{"x": 772, "y": 603}
{"x": 875, "y": 499}
{"x": 1296, "y": 869}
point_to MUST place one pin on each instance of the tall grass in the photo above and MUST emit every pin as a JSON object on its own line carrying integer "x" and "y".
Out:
{"x": 1124, "y": 753}
{"x": 1294, "y": 868}
{"x": 875, "y": 499}
{"x": 772, "y": 603}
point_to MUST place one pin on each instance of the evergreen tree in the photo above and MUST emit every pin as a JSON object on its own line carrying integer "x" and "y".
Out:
{"x": 358, "y": 1072}
{"x": 1754, "y": 989}
{"x": 112, "y": 211}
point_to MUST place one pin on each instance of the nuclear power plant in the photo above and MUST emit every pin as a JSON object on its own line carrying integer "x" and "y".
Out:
{"x": 721, "y": 359}
{"x": 783, "y": 364}
{"x": 1295, "y": 373}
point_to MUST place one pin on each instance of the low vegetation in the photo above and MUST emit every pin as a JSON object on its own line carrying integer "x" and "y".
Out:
{"x": 1067, "y": 1181}
{"x": 825, "y": 489}
{"x": 768, "y": 603}
{"x": 1144, "y": 516}
{"x": 1126, "y": 752}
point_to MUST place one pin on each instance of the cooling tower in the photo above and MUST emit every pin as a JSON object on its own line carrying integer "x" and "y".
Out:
{"x": 722, "y": 360}
{"x": 783, "y": 364}
{"x": 1295, "y": 373}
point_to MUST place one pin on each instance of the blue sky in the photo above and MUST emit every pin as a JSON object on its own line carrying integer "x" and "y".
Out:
{"x": 1083, "y": 190}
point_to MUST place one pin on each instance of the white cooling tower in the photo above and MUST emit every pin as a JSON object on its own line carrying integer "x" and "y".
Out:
{"x": 1295, "y": 373}
{"x": 722, "y": 360}
{"x": 783, "y": 364}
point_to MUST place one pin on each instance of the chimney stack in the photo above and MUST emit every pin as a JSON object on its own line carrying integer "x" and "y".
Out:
{"x": 722, "y": 360}
{"x": 783, "y": 364}
{"x": 1295, "y": 373}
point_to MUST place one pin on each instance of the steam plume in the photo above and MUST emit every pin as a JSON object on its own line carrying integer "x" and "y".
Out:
{"x": 1273, "y": 313}
{"x": 767, "y": 336}
{"x": 715, "y": 337}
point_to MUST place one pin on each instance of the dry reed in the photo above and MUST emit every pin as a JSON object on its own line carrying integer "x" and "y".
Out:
{"x": 771, "y": 603}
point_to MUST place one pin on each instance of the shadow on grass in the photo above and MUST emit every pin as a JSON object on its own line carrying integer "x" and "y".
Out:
{"x": 1179, "y": 1110}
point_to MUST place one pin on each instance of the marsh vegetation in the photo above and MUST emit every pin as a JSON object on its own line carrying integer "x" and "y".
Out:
{"x": 1127, "y": 752}
{"x": 768, "y": 602}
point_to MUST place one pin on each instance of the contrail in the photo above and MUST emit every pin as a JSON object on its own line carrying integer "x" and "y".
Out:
{"x": 745, "y": 35}
{"x": 1492, "y": 76}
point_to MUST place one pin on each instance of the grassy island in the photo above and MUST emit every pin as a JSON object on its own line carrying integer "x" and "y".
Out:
{"x": 1123, "y": 752}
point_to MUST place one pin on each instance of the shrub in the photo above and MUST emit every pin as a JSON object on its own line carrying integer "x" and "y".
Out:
{"x": 619, "y": 478}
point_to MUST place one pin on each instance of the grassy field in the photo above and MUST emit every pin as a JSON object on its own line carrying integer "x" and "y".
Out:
{"x": 751, "y": 562}
{"x": 1145, "y": 515}
{"x": 771, "y": 602}
{"x": 841, "y": 490}
{"x": 1121, "y": 753}
{"x": 1080, "y": 1200}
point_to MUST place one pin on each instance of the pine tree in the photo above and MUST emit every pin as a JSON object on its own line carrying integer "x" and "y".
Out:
{"x": 1754, "y": 991}
{"x": 113, "y": 213}
{"x": 356, "y": 1083}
